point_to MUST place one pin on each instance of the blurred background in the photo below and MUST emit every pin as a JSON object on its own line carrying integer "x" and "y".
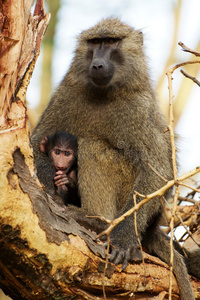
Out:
{"x": 164, "y": 23}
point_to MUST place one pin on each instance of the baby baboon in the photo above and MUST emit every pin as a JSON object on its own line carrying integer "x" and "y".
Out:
{"x": 61, "y": 148}
{"x": 107, "y": 101}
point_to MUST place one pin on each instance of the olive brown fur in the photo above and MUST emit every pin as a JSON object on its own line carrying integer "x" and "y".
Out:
{"x": 106, "y": 100}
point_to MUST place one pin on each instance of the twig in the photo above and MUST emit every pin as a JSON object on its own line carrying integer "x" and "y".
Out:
{"x": 185, "y": 227}
{"x": 189, "y": 187}
{"x": 101, "y": 218}
{"x": 187, "y": 199}
{"x": 147, "y": 198}
{"x": 171, "y": 118}
{"x": 162, "y": 295}
{"x": 191, "y": 77}
{"x": 136, "y": 232}
{"x": 106, "y": 264}
{"x": 192, "y": 62}
{"x": 165, "y": 212}
{"x": 171, "y": 121}
{"x": 186, "y": 49}
{"x": 192, "y": 193}
{"x": 156, "y": 172}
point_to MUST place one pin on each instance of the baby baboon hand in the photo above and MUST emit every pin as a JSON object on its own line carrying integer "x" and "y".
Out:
{"x": 62, "y": 189}
{"x": 61, "y": 178}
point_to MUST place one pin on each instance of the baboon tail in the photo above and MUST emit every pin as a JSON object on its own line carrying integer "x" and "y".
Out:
{"x": 158, "y": 243}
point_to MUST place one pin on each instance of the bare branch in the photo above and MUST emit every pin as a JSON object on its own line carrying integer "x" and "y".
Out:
{"x": 156, "y": 172}
{"x": 185, "y": 227}
{"x": 191, "y": 77}
{"x": 186, "y": 49}
{"x": 171, "y": 130}
{"x": 170, "y": 71}
{"x": 189, "y": 187}
{"x": 106, "y": 265}
{"x": 171, "y": 118}
{"x": 187, "y": 199}
{"x": 136, "y": 231}
{"x": 147, "y": 198}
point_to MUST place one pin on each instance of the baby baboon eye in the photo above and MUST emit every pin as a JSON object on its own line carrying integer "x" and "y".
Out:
{"x": 68, "y": 153}
{"x": 57, "y": 151}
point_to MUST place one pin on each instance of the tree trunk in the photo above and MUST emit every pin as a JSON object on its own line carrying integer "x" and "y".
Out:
{"x": 44, "y": 254}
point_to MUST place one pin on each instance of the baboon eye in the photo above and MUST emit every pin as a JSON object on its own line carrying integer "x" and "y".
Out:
{"x": 67, "y": 153}
{"x": 111, "y": 41}
{"x": 95, "y": 41}
{"x": 57, "y": 151}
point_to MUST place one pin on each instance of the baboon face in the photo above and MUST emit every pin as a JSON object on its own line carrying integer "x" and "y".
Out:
{"x": 109, "y": 55}
{"x": 61, "y": 148}
{"x": 63, "y": 158}
{"x": 103, "y": 54}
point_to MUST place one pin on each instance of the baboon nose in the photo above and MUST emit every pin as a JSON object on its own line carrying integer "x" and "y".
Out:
{"x": 97, "y": 67}
{"x": 97, "y": 64}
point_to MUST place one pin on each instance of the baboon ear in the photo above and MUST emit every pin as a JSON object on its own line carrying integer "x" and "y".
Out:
{"x": 140, "y": 36}
{"x": 43, "y": 144}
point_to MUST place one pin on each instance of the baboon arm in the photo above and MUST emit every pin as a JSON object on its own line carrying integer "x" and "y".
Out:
{"x": 124, "y": 244}
{"x": 123, "y": 237}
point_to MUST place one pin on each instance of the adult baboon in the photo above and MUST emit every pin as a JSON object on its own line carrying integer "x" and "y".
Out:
{"x": 107, "y": 101}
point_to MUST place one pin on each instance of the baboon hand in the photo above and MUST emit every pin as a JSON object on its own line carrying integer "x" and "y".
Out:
{"x": 124, "y": 255}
